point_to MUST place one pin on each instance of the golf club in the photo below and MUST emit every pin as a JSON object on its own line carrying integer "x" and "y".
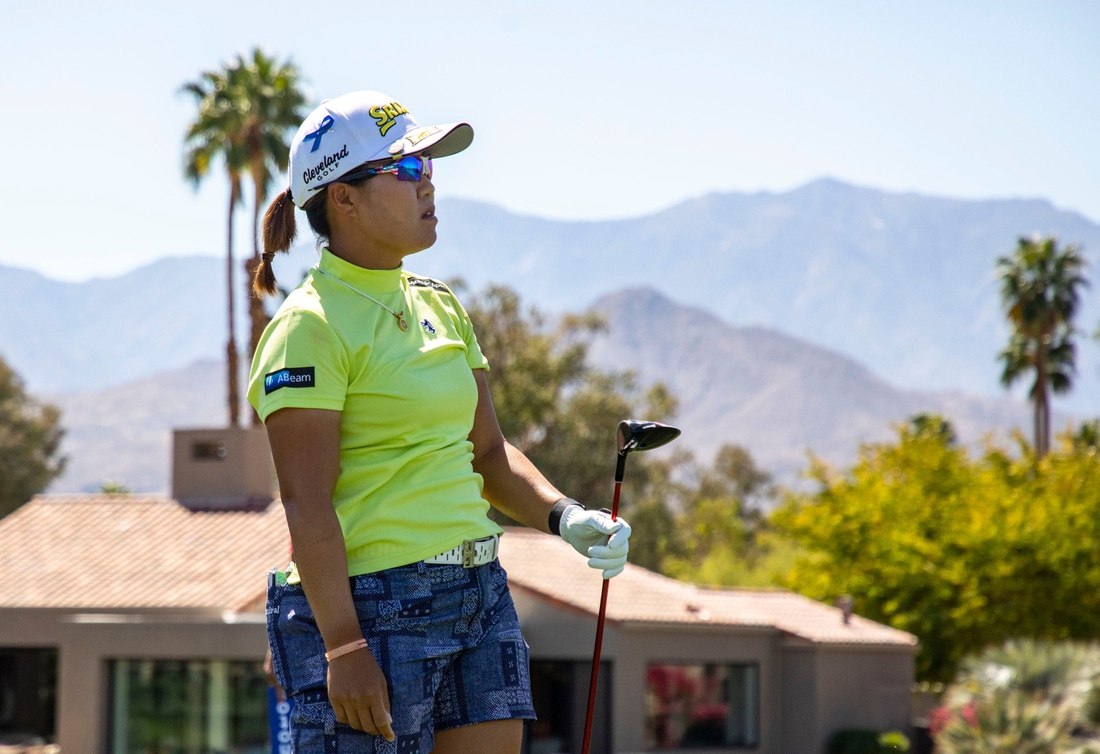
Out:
{"x": 633, "y": 434}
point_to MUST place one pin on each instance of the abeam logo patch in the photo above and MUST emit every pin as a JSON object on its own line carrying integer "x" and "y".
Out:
{"x": 290, "y": 377}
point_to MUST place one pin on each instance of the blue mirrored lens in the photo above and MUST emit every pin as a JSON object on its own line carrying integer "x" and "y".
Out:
{"x": 408, "y": 169}
{"x": 411, "y": 168}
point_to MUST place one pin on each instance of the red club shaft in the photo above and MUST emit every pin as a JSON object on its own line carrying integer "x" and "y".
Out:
{"x": 599, "y": 644}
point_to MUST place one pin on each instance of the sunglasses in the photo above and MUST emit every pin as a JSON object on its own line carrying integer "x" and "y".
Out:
{"x": 410, "y": 168}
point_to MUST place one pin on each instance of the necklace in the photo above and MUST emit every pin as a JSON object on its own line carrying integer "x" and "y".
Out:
{"x": 399, "y": 316}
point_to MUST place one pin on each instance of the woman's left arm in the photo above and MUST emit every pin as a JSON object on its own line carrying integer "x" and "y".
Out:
{"x": 512, "y": 483}
{"x": 515, "y": 487}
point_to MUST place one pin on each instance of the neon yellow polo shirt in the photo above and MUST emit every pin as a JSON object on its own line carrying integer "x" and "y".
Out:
{"x": 407, "y": 489}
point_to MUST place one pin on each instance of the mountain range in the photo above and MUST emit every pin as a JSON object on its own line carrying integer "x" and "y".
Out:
{"x": 809, "y": 319}
{"x": 902, "y": 283}
{"x": 777, "y": 395}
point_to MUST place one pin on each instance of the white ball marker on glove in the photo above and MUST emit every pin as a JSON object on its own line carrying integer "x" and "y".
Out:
{"x": 593, "y": 534}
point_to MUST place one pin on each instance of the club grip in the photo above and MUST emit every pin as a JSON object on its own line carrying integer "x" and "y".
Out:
{"x": 620, "y": 467}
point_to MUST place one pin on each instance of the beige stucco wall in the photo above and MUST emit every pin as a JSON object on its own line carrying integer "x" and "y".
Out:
{"x": 827, "y": 688}
{"x": 86, "y": 642}
{"x": 640, "y": 645}
{"x": 21, "y": 627}
{"x": 556, "y": 632}
{"x": 862, "y": 687}
{"x": 560, "y": 633}
{"x": 807, "y": 692}
{"x": 87, "y": 646}
{"x": 797, "y": 706}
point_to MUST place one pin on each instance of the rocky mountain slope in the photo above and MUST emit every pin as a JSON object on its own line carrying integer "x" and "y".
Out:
{"x": 777, "y": 395}
{"x": 903, "y": 283}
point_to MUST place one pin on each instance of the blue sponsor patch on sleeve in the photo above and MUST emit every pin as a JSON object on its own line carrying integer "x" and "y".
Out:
{"x": 289, "y": 377}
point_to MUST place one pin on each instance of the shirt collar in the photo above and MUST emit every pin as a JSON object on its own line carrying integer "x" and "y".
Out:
{"x": 371, "y": 281}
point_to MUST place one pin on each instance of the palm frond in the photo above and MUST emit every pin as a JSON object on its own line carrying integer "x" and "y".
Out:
{"x": 1016, "y": 358}
{"x": 1040, "y": 291}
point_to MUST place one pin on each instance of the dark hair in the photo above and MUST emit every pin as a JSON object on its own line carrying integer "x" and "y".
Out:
{"x": 280, "y": 230}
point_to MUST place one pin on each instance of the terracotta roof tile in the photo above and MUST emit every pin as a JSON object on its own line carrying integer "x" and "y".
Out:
{"x": 550, "y": 567}
{"x": 119, "y": 552}
{"x": 139, "y": 552}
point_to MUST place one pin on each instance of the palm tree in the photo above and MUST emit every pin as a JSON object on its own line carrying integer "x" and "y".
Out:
{"x": 1039, "y": 290}
{"x": 269, "y": 102}
{"x": 213, "y": 135}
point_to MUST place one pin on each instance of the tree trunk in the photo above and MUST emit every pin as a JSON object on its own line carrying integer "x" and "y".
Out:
{"x": 1046, "y": 422}
{"x": 231, "y": 346}
{"x": 256, "y": 314}
{"x": 1042, "y": 401}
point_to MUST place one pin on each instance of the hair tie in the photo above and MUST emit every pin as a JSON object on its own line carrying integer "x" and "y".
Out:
{"x": 268, "y": 256}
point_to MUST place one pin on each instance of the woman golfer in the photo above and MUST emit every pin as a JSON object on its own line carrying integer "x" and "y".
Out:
{"x": 375, "y": 396}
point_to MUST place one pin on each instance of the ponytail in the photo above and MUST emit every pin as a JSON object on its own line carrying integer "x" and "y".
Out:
{"x": 279, "y": 233}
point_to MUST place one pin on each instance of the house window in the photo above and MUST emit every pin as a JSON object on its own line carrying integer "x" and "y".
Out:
{"x": 691, "y": 706}
{"x": 559, "y": 690}
{"x": 188, "y": 707}
{"x": 28, "y": 695}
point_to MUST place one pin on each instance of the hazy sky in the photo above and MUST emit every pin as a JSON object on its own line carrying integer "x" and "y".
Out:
{"x": 582, "y": 109}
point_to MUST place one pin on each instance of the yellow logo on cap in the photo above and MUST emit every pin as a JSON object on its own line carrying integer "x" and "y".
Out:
{"x": 386, "y": 115}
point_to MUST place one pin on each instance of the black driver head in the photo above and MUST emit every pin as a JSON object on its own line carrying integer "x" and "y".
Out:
{"x": 636, "y": 434}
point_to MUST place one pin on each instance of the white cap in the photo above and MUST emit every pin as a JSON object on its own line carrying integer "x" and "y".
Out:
{"x": 359, "y": 127}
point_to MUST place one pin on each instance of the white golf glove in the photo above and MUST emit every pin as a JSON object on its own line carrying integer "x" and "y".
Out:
{"x": 593, "y": 534}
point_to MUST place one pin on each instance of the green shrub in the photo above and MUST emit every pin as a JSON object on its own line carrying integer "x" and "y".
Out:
{"x": 854, "y": 742}
{"x": 857, "y": 741}
{"x": 965, "y": 552}
{"x": 893, "y": 741}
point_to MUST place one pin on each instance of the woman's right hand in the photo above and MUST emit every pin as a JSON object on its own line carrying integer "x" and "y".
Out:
{"x": 305, "y": 443}
{"x": 357, "y": 692}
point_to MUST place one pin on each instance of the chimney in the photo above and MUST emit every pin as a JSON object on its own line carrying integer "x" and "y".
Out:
{"x": 846, "y": 603}
{"x": 228, "y": 469}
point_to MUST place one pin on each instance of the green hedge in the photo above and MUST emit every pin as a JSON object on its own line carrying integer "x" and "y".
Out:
{"x": 868, "y": 742}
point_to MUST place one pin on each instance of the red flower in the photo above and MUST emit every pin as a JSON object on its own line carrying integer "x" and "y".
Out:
{"x": 970, "y": 715}
{"x": 938, "y": 719}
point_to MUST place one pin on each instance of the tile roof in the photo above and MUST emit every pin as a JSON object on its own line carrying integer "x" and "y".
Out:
{"x": 137, "y": 552}
{"x": 548, "y": 566}
{"x": 131, "y": 551}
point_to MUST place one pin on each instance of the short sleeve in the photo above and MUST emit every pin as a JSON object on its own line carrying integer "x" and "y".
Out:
{"x": 474, "y": 357}
{"x": 299, "y": 363}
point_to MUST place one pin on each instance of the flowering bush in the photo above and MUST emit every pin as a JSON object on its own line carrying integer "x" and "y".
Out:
{"x": 1026, "y": 697}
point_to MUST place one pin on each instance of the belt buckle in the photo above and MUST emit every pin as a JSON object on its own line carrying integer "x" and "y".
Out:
{"x": 468, "y": 553}
{"x": 276, "y": 577}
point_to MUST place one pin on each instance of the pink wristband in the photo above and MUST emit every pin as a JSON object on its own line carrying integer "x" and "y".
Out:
{"x": 346, "y": 649}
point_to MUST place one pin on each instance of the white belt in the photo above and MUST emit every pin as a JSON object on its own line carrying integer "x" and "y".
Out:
{"x": 469, "y": 554}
